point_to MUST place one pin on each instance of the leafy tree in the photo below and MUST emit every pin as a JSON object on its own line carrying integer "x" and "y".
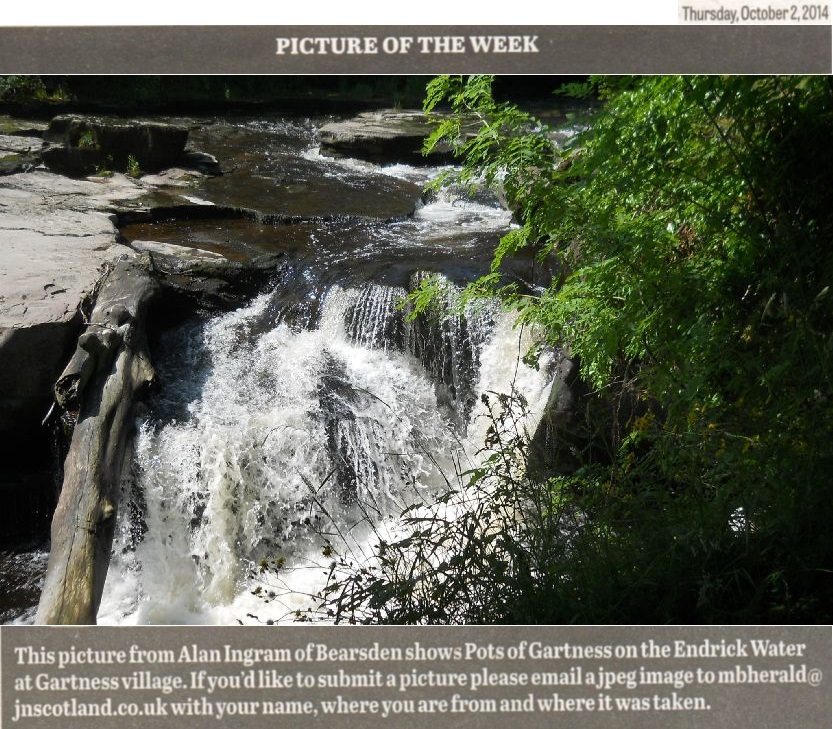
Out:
{"x": 21, "y": 88}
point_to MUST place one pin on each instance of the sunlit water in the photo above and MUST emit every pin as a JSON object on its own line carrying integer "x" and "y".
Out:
{"x": 294, "y": 430}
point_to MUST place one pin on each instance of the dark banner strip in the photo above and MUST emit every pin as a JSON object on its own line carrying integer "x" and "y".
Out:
{"x": 571, "y": 677}
{"x": 416, "y": 49}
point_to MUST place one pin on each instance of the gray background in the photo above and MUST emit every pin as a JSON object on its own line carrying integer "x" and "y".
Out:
{"x": 762, "y": 706}
{"x": 563, "y": 50}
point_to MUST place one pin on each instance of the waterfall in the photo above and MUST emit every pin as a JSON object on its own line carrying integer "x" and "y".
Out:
{"x": 296, "y": 429}
{"x": 275, "y": 440}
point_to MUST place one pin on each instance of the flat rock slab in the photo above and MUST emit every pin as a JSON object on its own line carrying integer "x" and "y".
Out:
{"x": 176, "y": 177}
{"x": 301, "y": 190}
{"x": 55, "y": 236}
{"x": 381, "y": 136}
{"x": 19, "y": 145}
{"x": 185, "y": 253}
{"x": 13, "y": 125}
{"x": 19, "y": 154}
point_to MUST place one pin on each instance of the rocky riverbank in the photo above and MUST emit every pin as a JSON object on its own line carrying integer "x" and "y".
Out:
{"x": 57, "y": 238}
{"x": 59, "y": 246}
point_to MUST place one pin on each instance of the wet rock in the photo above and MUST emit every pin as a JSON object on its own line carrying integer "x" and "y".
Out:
{"x": 186, "y": 253}
{"x": 203, "y": 162}
{"x": 447, "y": 342}
{"x": 381, "y": 136}
{"x": 302, "y": 189}
{"x": 180, "y": 211}
{"x": 83, "y": 144}
{"x": 575, "y": 426}
{"x": 19, "y": 154}
{"x": 349, "y": 448}
{"x": 194, "y": 278}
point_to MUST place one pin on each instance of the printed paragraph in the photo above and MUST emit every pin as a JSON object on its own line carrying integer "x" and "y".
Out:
{"x": 588, "y": 676}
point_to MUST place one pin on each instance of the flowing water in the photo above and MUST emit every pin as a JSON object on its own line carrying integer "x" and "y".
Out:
{"x": 297, "y": 427}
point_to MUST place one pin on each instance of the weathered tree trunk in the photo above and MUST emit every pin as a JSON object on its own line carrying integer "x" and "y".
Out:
{"x": 109, "y": 368}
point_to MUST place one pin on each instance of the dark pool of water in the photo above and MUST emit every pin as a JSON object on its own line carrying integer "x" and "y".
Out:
{"x": 21, "y": 577}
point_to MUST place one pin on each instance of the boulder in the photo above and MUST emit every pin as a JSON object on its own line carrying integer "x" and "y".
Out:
{"x": 208, "y": 164}
{"x": 73, "y": 161}
{"x": 196, "y": 279}
{"x": 82, "y": 144}
{"x": 381, "y": 136}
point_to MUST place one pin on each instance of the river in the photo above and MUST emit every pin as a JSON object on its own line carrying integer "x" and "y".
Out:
{"x": 297, "y": 427}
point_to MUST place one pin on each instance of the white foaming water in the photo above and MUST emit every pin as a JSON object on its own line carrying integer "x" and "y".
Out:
{"x": 503, "y": 371}
{"x": 350, "y": 165}
{"x": 454, "y": 209}
{"x": 448, "y": 211}
{"x": 21, "y": 575}
{"x": 283, "y": 445}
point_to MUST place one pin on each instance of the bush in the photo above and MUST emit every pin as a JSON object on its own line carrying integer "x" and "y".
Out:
{"x": 16, "y": 89}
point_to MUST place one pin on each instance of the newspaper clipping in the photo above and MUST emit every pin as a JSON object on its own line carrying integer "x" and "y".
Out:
{"x": 417, "y": 375}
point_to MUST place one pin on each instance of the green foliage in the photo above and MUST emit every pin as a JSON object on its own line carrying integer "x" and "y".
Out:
{"x": 427, "y": 298}
{"x": 690, "y": 222}
{"x": 29, "y": 89}
{"x": 21, "y": 88}
{"x": 105, "y": 169}
{"x": 133, "y": 169}
{"x": 144, "y": 92}
{"x": 87, "y": 140}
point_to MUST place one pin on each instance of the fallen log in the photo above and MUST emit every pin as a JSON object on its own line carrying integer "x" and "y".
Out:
{"x": 108, "y": 371}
